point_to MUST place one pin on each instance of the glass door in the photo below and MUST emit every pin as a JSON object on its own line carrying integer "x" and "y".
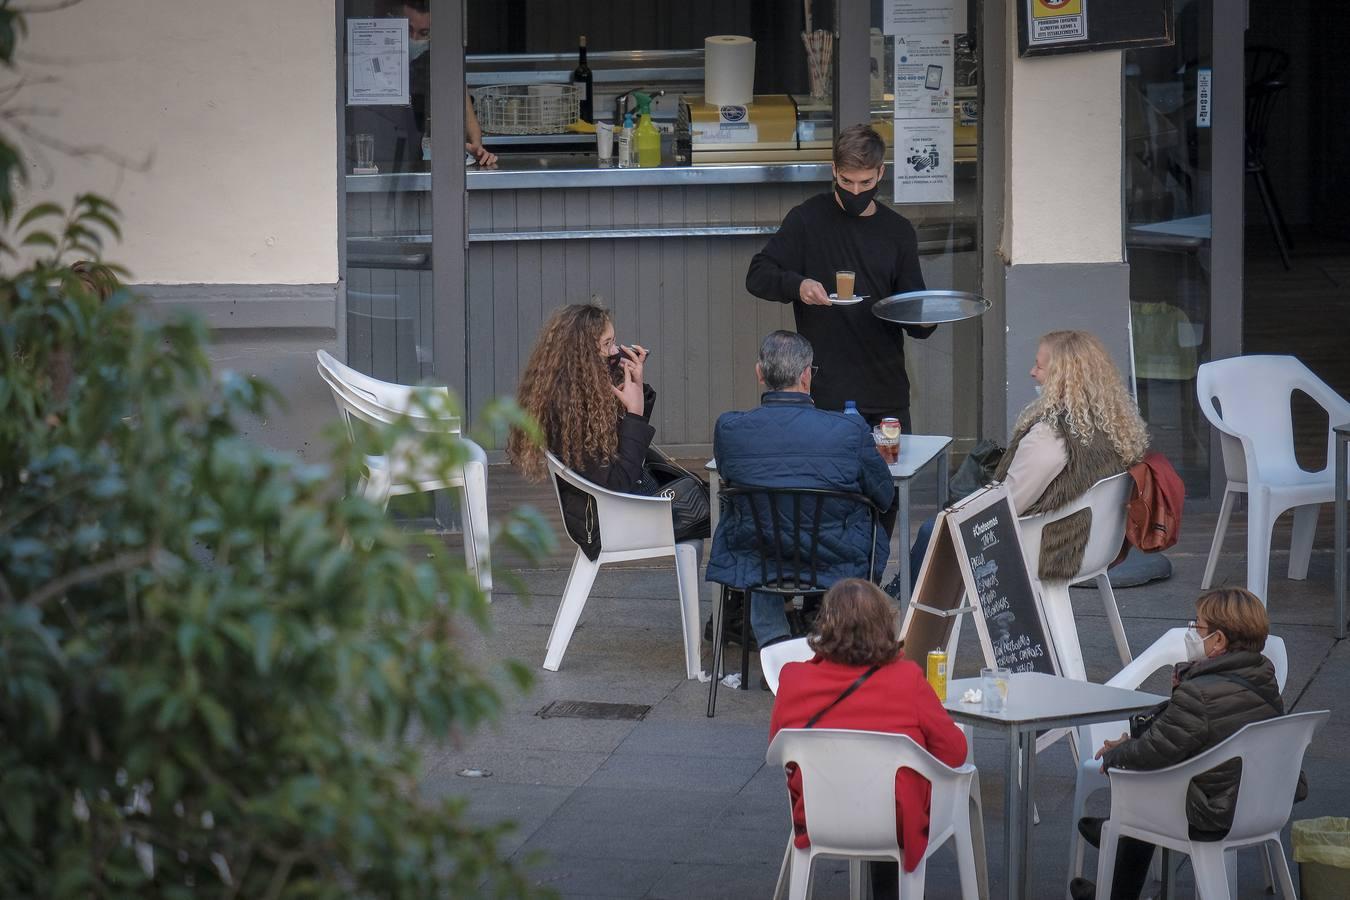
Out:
{"x": 1180, "y": 143}
{"x": 390, "y": 316}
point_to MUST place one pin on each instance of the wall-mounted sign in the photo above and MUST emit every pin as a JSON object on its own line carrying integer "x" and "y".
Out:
{"x": 1057, "y": 21}
{"x": 1072, "y": 26}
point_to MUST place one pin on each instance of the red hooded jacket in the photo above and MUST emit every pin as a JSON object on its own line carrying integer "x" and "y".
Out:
{"x": 897, "y": 699}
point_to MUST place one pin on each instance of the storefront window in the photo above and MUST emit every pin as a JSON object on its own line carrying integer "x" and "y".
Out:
{"x": 390, "y": 316}
{"x": 948, "y": 229}
{"x": 1168, "y": 195}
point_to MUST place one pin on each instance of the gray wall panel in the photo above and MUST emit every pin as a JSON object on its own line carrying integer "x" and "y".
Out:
{"x": 1088, "y": 296}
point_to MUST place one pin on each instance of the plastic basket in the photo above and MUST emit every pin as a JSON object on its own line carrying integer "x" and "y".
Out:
{"x": 527, "y": 108}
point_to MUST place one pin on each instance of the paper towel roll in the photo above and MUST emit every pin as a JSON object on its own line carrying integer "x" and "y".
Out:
{"x": 728, "y": 70}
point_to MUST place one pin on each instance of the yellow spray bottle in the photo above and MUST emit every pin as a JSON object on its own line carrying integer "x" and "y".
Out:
{"x": 647, "y": 137}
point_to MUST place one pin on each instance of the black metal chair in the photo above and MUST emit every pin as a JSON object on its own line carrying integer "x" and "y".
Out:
{"x": 1265, "y": 82}
{"x": 787, "y": 524}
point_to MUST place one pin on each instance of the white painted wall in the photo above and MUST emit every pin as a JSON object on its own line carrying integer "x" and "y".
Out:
{"x": 1064, "y": 188}
{"x": 232, "y": 102}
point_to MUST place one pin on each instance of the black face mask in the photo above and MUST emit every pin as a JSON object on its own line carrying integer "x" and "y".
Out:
{"x": 855, "y": 204}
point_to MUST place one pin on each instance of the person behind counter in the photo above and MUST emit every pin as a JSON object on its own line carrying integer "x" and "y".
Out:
{"x": 1082, "y": 427}
{"x": 861, "y": 357}
{"x": 860, "y": 679}
{"x": 399, "y": 130}
{"x": 586, "y": 392}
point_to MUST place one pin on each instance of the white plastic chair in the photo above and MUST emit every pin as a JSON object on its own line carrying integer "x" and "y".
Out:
{"x": 1107, "y": 499}
{"x": 773, "y": 657}
{"x": 1166, "y": 651}
{"x": 630, "y": 527}
{"x": 1256, "y": 434}
{"x": 1151, "y": 806}
{"x": 848, "y": 790}
{"x": 403, "y": 470}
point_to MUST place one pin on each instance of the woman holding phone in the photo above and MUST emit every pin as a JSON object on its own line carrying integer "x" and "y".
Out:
{"x": 585, "y": 390}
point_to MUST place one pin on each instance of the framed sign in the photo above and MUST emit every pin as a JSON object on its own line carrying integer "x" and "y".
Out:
{"x": 1072, "y": 26}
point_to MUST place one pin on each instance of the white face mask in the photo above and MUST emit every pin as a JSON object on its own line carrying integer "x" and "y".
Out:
{"x": 1195, "y": 645}
{"x": 417, "y": 48}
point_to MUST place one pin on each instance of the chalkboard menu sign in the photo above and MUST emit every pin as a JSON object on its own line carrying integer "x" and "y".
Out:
{"x": 1072, "y": 26}
{"x": 976, "y": 556}
{"x": 1004, "y": 598}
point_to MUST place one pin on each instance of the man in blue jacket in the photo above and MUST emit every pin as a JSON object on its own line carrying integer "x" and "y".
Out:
{"x": 788, "y": 443}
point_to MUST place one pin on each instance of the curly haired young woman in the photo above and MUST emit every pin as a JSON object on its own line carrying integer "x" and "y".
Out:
{"x": 586, "y": 392}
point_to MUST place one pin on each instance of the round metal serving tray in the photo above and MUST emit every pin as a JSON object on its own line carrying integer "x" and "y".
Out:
{"x": 930, "y": 307}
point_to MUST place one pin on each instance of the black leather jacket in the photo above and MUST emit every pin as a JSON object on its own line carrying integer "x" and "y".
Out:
{"x": 620, "y": 474}
{"x": 1211, "y": 701}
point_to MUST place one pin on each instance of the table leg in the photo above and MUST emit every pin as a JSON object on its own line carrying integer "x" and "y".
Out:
{"x": 943, "y": 470}
{"x": 902, "y": 529}
{"x": 1027, "y": 743}
{"x": 1017, "y": 812}
{"x": 1342, "y": 450}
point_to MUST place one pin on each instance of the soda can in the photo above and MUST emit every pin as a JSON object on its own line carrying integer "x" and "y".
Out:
{"x": 937, "y": 673}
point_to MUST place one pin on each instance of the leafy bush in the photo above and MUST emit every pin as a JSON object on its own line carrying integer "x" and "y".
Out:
{"x": 211, "y": 662}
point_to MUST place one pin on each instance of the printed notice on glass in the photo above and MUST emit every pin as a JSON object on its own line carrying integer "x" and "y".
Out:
{"x": 1056, "y": 21}
{"x": 922, "y": 17}
{"x": 1204, "y": 96}
{"x": 923, "y": 160}
{"x": 924, "y": 73}
{"x": 377, "y": 62}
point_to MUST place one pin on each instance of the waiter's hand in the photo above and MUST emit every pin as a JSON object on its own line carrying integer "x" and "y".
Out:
{"x": 813, "y": 293}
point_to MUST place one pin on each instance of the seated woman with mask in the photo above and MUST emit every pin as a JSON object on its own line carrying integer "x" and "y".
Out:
{"x": 1225, "y": 684}
{"x": 1082, "y": 427}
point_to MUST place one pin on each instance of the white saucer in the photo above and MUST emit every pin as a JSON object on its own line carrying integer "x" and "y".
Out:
{"x": 850, "y": 301}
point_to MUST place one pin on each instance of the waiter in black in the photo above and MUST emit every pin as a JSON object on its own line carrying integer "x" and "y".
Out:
{"x": 861, "y": 357}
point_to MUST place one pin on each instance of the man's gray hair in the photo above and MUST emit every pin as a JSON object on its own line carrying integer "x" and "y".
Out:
{"x": 782, "y": 358}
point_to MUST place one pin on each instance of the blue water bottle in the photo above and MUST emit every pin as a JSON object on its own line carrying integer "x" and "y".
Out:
{"x": 851, "y": 409}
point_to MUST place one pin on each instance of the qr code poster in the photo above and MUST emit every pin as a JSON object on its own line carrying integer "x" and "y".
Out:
{"x": 923, "y": 160}
{"x": 1056, "y": 21}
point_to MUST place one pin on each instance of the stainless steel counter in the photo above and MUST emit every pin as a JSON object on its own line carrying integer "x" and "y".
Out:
{"x": 579, "y": 170}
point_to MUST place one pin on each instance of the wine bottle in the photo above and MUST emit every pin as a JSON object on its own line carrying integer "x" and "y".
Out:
{"x": 582, "y": 76}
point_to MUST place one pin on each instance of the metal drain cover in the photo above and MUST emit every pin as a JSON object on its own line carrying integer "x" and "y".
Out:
{"x": 589, "y": 709}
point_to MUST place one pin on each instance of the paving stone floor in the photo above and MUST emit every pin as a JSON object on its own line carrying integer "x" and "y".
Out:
{"x": 681, "y": 806}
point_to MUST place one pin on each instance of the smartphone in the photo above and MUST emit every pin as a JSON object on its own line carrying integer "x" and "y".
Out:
{"x": 615, "y": 363}
{"x": 934, "y": 80}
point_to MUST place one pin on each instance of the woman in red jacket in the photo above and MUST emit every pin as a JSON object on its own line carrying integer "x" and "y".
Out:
{"x": 855, "y": 636}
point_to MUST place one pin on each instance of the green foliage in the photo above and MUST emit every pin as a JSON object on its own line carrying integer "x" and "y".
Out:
{"x": 212, "y": 665}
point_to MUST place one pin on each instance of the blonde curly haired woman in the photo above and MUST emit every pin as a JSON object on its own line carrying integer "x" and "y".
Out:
{"x": 1082, "y": 427}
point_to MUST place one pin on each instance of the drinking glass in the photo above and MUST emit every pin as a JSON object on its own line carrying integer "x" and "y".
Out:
{"x": 994, "y": 688}
{"x": 888, "y": 447}
{"x": 365, "y": 151}
{"x": 843, "y": 285}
